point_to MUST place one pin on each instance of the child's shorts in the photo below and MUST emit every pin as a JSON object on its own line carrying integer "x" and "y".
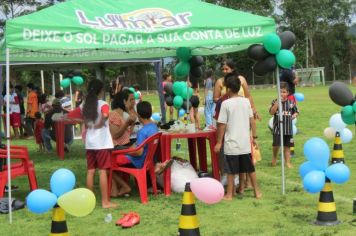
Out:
{"x": 98, "y": 159}
{"x": 287, "y": 140}
{"x": 235, "y": 164}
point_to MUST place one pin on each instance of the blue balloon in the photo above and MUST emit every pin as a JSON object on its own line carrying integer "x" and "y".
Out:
{"x": 156, "y": 116}
{"x": 317, "y": 151}
{"x": 338, "y": 173}
{"x": 346, "y": 135}
{"x": 181, "y": 112}
{"x": 314, "y": 181}
{"x": 40, "y": 201}
{"x": 305, "y": 168}
{"x": 299, "y": 97}
{"x": 62, "y": 181}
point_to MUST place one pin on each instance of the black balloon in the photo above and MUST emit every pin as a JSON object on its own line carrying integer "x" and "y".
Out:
{"x": 196, "y": 61}
{"x": 341, "y": 94}
{"x": 168, "y": 88}
{"x": 184, "y": 106}
{"x": 195, "y": 101}
{"x": 257, "y": 52}
{"x": 169, "y": 101}
{"x": 196, "y": 71}
{"x": 287, "y": 39}
{"x": 267, "y": 65}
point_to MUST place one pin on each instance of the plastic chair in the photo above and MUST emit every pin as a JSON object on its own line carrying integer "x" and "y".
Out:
{"x": 139, "y": 174}
{"x": 23, "y": 167}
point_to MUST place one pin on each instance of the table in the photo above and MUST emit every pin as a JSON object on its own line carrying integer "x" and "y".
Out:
{"x": 198, "y": 138}
{"x": 59, "y": 133}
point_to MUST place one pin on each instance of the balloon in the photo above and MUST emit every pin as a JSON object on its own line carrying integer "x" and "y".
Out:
{"x": 272, "y": 43}
{"x": 207, "y": 190}
{"x": 194, "y": 101}
{"x": 65, "y": 83}
{"x": 314, "y": 181}
{"x": 339, "y": 173}
{"x": 187, "y": 93}
{"x": 177, "y": 101}
{"x": 184, "y": 106}
{"x": 196, "y": 71}
{"x": 177, "y": 88}
{"x": 346, "y": 135}
{"x": 285, "y": 59}
{"x": 78, "y": 80}
{"x": 257, "y": 52}
{"x": 62, "y": 181}
{"x": 267, "y": 65}
{"x": 183, "y": 54}
{"x": 78, "y": 202}
{"x": 270, "y": 123}
{"x": 305, "y": 168}
{"x": 294, "y": 121}
{"x": 169, "y": 101}
{"x": 287, "y": 39}
{"x": 348, "y": 115}
{"x": 182, "y": 69}
{"x": 340, "y": 94}
{"x": 156, "y": 116}
{"x": 196, "y": 61}
{"x": 40, "y": 201}
{"x": 329, "y": 132}
{"x": 181, "y": 112}
{"x": 132, "y": 89}
{"x": 136, "y": 95}
{"x": 168, "y": 88}
{"x": 317, "y": 151}
{"x": 299, "y": 97}
{"x": 295, "y": 130}
{"x": 336, "y": 122}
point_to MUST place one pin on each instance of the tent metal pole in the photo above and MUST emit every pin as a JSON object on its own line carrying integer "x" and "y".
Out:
{"x": 42, "y": 82}
{"x": 280, "y": 122}
{"x": 53, "y": 85}
{"x": 158, "y": 71}
{"x": 8, "y": 131}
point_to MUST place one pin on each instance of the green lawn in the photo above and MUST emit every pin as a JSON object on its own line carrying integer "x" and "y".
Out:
{"x": 274, "y": 214}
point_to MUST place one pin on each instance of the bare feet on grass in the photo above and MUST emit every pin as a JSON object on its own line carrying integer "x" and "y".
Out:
{"x": 258, "y": 195}
{"x": 289, "y": 165}
{"x": 123, "y": 191}
{"x": 274, "y": 162}
{"x": 109, "y": 205}
{"x": 227, "y": 198}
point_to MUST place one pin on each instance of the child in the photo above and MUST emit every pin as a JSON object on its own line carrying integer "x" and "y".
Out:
{"x": 137, "y": 90}
{"x": 39, "y": 125}
{"x": 15, "y": 112}
{"x": 209, "y": 102}
{"x": 290, "y": 112}
{"x": 98, "y": 141}
{"x": 234, "y": 123}
{"x": 167, "y": 79}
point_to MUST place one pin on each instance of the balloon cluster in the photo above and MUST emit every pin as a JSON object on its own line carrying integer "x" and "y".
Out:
{"x": 78, "y": 202}
{"x": 341, "y": 95}
{"x": 188, "y": 64}
{"x": 336, "y": 123}
{"x": 275, "y": 50}
{"x": 316, "y": 169}
{"x": 177, "y": 95}
{"x": 76, "y": 79}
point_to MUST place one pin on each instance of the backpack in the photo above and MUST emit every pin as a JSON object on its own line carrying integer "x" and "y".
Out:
{"x": 15, "y": 204}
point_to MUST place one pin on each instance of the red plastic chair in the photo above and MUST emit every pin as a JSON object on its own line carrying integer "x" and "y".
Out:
{"x": 23, "y": 167}
{"x": 140, "y": 174}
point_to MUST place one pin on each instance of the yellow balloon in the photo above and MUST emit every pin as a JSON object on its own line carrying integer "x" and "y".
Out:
{"x": 78, "y": 202}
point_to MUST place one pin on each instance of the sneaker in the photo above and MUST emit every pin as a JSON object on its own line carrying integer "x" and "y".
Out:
{"x": 13, "y": 188}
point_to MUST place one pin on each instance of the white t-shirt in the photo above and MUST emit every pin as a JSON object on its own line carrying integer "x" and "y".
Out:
{"x": 14, "y": 108}
{"x": 99, "y": 138}
{"x": 236, "y": 113}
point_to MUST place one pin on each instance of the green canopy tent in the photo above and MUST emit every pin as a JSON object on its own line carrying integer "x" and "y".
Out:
{"x": 87, "y": 31}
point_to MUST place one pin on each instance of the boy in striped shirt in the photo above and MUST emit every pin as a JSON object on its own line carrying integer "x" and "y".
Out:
{"x": 289, "y": 112}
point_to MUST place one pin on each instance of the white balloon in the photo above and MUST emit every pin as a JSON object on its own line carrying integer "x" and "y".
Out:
{"x": 329, "y": 132}
{"x": 346, "y": 135}
{"x": 295, "y": 130}
{"x": 270, "y": 123}
{"x": 336, "y": 122}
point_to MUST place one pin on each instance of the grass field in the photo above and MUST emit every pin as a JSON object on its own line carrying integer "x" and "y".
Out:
{"x": 274, "y": 214}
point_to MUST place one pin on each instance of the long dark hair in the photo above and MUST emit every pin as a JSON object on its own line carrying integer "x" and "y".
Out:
{"x": 120, "y": 98}
{"x": 90, "y": 106}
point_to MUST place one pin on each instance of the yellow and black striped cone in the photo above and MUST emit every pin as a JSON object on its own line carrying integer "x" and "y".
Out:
{"x": 326, "y": 207}
{"x": 337, "y": 155}
{"x": 59, "y": 224}
{"x": 291, "y": 148}
{"x": 188, "y": 221}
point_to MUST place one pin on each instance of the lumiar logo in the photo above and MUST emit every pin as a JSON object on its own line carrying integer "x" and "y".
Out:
{"x": 145, "y": 20}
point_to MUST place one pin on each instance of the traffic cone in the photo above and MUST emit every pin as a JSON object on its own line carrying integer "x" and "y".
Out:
{"x": 188, "y": 221}
{"x": 59, "y": 224}
{"x": 291, "y": 148}
{"x": 326, "y": 207}
{"x": 337, "y": 155}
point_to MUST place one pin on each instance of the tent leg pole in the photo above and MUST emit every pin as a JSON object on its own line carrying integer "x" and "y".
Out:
{"x": 280, "y": 122}
{"x": 8, "y": 131}
{"x": 158, "y": 71}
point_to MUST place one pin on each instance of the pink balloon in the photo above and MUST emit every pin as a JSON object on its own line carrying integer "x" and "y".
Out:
{"x": 207, "y": 190}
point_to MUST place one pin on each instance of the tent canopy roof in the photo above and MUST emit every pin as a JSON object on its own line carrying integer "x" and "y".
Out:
{"x": 96, "y": 30}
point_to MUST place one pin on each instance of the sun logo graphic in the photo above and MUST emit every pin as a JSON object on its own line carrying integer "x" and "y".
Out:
{"x": 143, "y": 20}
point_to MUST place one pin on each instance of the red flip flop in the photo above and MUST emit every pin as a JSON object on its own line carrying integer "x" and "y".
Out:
{"x": 132, "y": 221}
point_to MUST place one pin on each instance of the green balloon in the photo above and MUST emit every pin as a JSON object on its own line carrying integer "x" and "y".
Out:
{"x": 177, "y": 102}
{"x": 65, "y": 83}
{"x": 348, "y": 119}
{"x": 136, "y": 96}
{"x": 285, "y": 58}
{"x": 78, "y": 80}
{"x": 187, "y": 93}
{"x": 182, "y": 69}
{"x": 347, "y": 111}
{"x": 177, "y": 88}
{"x": 132, "y": 89}
{"x": 354, "y": 106}
{"x": 272, "y": 43}
{"x": 184, "y": 54}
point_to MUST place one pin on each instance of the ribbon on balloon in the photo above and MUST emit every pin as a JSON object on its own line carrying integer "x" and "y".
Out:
{"x": 274, "y": 51}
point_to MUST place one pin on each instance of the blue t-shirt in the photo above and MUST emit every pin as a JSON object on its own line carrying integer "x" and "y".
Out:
{"x": 145, "y": 132}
